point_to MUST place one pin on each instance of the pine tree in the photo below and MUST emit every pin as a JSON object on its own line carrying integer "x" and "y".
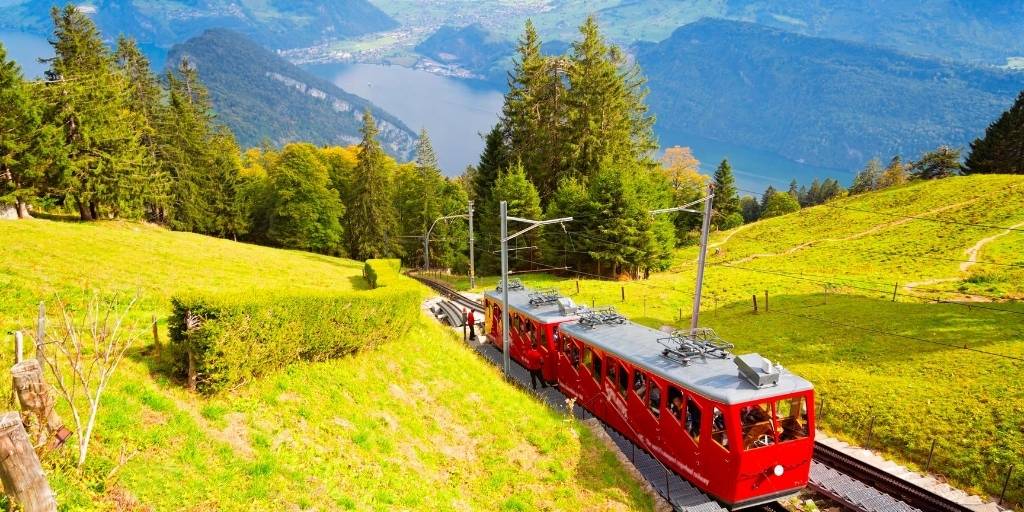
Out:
{"x": 533, "y": 114}
{"x": 570, "y": 199}
{"x": 813, "y": 196}
{"x": 941, "y": 163}
{"x": 794, "y": 190}
{"x": 768, "y": 193}
{"x": 895, "y": 174}
{"x": 727, "y": 200}
{"x": 750, "y": 209}
{"x": 867, "y": 179}
{"x": 1001, "y": 150}
{"x": 25, "y": 142}
{"x": 101, "y": 170}
{"x": 145, "y": 98}
{"x": 493, "y": 161}
{"x": 607, "y": 117}
{"x": 622, "y": 241}
{"x": 304, "y": 211}
{"x": 370, "y": 225}
{"x": 523, "y": 201}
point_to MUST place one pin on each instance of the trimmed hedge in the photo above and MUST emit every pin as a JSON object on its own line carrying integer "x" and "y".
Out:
{"x": 382, "y": 272}
{"x": 238, "y": 337}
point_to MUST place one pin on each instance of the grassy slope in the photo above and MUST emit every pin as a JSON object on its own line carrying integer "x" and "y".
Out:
{"x": 972, "y": 404}
{"x": 418, "y": 424}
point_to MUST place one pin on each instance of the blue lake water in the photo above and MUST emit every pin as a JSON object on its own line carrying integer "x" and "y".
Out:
{"x": 455, "y": 111}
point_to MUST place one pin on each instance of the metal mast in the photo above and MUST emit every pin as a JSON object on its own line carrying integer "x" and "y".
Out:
{"x": 426, "y": 238}
{"x": 472, "y": 264}
{"x": 505, "y": 237}
{"x": 705, "y": 227}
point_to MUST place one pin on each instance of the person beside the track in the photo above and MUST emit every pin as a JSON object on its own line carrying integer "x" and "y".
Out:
{"x": 534, "y": 362}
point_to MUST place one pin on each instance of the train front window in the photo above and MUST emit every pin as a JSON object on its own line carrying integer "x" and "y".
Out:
{"x": 792, "y": 416}
{"x": 718, "y": 428}
{"x": 758, "y": 425}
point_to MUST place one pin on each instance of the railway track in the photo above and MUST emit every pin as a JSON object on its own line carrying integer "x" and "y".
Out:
{"x": 852, "y": 483}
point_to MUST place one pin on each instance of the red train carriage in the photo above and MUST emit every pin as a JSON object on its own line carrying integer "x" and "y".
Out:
{"x": 738, "y": 427}
{"x": 534, "y": 316}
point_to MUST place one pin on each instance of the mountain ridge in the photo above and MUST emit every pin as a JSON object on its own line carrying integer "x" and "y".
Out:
{"x": 259, "y": 95}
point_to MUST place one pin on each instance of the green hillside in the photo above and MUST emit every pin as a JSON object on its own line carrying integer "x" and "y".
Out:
{"x": 917, "y": 368}
{"x": 418, "y": 424}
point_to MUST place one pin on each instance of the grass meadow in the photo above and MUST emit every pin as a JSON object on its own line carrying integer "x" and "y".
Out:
{"x": 943, "y": 360}
{"x": 421, "y": 423}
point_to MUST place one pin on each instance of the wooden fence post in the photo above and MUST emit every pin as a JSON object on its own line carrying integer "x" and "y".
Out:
{"x": 623, "y": 294}
{"x": 156, "y": 338}
{"x": 41, "y": 335}
{"x": 895, "y": 288}
{"x": 35, "y": 398}
{"x": 931, "y": 453}
{"x": 755, "y": 302}
{"x": 20, "y": 471}
{"x": 766, "y": 301}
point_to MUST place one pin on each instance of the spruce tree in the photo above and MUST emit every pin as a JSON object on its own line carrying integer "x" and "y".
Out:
{"x": 101, "y": 170}
{"x": 727, "y": 201}
{"x": 768, "y": 193}
{"x": 523, "y": 200}
{"x": 570, "y": 199}
{"x": 145, "y": 97}
{"x": 493, "y": 161}
{"x": 621, "y": 239}
{"x": 750, "y": 209}
{"x": 370, "y": 226}
{"x": 607, "y": 117}
{"x": 794, "y": 190}
{"x": 25, "y": 142}
{"x": 1001, "y": 150}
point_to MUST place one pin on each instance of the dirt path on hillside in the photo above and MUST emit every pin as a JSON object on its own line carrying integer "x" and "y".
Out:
{"x": 972, "y": 259}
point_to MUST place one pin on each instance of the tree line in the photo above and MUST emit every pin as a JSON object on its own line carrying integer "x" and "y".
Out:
{"x": 103, "y": 137}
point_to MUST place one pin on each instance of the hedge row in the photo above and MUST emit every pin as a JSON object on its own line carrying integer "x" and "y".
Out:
{"x": 382, "y": 272}
{"x": 232, "y": 339}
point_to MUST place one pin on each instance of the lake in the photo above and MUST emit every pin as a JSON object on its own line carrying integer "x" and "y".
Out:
{"x": 26, "y": 49}
{"x": 454, "y": 112}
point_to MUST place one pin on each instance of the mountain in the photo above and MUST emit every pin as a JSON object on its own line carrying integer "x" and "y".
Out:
{"x": 471, "y": 47}
{"x": 276, "y": 23}
{"x": 820, "y": 101}
{"x": 260, "y": 95}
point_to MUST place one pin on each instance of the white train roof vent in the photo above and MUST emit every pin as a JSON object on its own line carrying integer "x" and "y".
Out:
{"x": 566, "y": 307}
{"x": 757, "y": 370}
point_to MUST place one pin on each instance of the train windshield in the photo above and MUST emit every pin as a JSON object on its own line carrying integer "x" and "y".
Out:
{"x": 775, "y": 421}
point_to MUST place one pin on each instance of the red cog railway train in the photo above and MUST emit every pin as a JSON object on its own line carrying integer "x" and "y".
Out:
{"x": 738, "y": 427}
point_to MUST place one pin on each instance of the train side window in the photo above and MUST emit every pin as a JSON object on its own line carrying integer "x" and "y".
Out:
{"x": 623, "y": 380}
{"x": 574, "y": 353}
{"x": 692, "y": 419}
{"x": 758, "y": 425}
{"x": 718, "y": 430}
{"x": 675, "y": 402}
{"x": 588, "y": 357}
{"x": 639, "y": 384}
{"x": 654, "y": 402}
{"x": 596, "y": 367}
{"x": 612, "y": 367}
{"x": 792, "y": 417}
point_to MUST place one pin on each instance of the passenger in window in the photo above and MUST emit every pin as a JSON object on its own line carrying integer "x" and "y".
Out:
{"x": 574, "y": 355}
{"x": 639, "y": 384}
{"x": 676, "y": 407}
{"x": 655, "y": 401}
{"x": 693, "y": 419}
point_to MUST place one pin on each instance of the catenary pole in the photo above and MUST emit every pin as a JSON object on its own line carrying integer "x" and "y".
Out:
{"x": 472, "y": 266}
{"x": 426, "y": 238}
{"x": 504, "y": 288}
{"x": 705, "y": 227}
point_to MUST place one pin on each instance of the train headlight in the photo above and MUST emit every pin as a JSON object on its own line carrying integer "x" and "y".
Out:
{"x": 778, "y": 470}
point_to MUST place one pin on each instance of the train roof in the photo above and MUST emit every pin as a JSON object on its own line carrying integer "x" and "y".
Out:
{"x": 519, "y": 300}
{"x": 715, "y": 378}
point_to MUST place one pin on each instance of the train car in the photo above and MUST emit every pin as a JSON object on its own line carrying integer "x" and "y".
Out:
{"x": 738, "y": 427}
{"x": 534, "y": 316}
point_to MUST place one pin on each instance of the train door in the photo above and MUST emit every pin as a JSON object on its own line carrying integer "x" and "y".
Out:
{"x": 591, "y": 396}
{"x": 494, "y": 314}
{"x": 643, "y": 419}
{"x": 616, "y": 383}
{"x": 718, "y": 447}
{"x": 569, "y": 365}
{"x": 548, "y": 348}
